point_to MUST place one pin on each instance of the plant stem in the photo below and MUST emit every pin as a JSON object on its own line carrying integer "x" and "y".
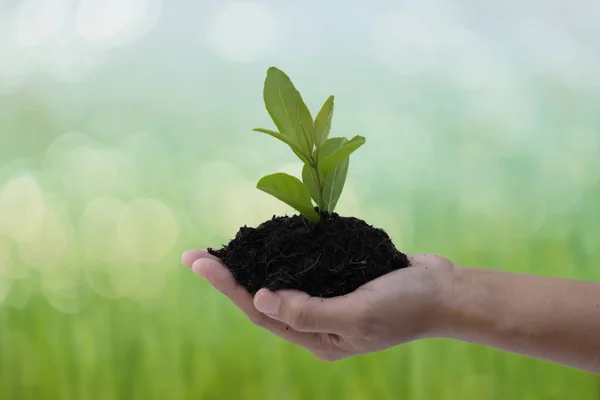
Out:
{"x": 317, "y": 178}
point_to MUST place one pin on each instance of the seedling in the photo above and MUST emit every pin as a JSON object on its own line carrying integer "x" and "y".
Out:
{"x": 325, "y": 159}
{"x": 331, "y": 256}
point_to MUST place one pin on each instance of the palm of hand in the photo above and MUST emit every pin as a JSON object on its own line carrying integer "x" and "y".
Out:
{"x": 396, "y": 308}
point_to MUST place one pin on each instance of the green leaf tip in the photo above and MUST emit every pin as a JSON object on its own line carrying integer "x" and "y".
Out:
{"x": 322, "y": 124}
{"x": 288, "y": 110}
{"x": 329, "y": 162}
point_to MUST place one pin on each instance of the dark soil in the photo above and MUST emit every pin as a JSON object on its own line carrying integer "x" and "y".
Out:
{"x": 326, "y": 259}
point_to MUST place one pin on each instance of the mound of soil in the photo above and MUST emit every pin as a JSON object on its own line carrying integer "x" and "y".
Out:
{"x": 326, "y": 259}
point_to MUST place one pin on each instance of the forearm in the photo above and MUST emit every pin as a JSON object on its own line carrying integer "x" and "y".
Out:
{"x": 553, "y": 319}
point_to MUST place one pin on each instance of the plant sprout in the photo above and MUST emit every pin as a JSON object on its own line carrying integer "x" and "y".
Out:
{"x": 325, "y": 159}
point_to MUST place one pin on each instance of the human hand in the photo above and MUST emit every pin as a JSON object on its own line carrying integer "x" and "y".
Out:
{"x": 402, "y": 306}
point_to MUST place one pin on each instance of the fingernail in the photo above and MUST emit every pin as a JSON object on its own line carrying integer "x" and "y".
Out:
{"x": 267, "y": 302}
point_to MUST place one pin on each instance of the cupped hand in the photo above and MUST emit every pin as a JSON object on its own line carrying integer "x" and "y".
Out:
{"x": 402, "y": 306}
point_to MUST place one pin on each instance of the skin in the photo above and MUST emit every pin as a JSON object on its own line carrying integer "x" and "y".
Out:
{"x": 556, "y": 320}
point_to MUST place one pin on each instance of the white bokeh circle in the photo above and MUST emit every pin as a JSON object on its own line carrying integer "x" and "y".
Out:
{"x": 147, "y": 230}
{"x": 22, "y": 209}
{"x": 40, "y": 23}
{"x": 244, "y": 31}
{"x": 111, "y": 23}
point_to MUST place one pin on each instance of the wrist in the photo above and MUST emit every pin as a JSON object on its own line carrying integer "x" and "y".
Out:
{"x": 444, "y": 289}
{"x": 473, "y": 305}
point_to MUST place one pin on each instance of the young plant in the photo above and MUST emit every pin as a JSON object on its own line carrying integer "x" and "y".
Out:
{"x": 325, "y": 159}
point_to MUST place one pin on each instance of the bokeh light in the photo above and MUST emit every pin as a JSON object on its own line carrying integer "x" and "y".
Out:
{"x": 49, "y": 248}
{"x": 22, "y": 208}
{"x": 245, "y": 31}
{"x": 147, "y": 230}
{"x": 112, "y": 23}
{"x": 38, "y": 23}
{"x": 68, "y": 40}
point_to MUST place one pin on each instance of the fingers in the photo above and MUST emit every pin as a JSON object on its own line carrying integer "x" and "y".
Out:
{"x": 190, "y": 256}
{"x": 211, "y": 269}
{"x": 222, "y": 280}
{"x": 338, "y": 315}
{"x": 220, "y": 277}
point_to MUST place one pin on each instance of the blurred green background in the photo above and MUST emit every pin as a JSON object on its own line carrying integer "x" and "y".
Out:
{"x": 125, "y": 138}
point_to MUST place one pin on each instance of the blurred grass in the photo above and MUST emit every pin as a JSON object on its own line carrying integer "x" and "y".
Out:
{"x": 189, "y": 343}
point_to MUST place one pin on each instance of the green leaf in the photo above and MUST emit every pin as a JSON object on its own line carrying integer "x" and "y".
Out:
{"x": 287, "y": 109}
{"x": 328, "y": 163}
{"x": 285, "y": 139}
{"x": 333, "y": 184}
{"x": 291, "y": 191}
{"x": 323, "y": 122}
{"x": 310, "y": 182}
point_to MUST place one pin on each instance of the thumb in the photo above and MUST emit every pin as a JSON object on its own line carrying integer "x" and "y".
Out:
{"x": 304, "y": 313}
